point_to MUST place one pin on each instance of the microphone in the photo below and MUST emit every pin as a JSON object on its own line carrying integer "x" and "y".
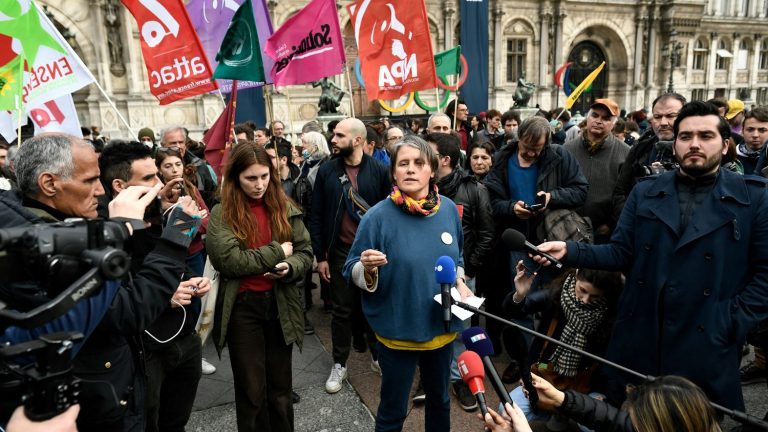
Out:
{"x": 445, "y": 274}
{"x": 515, "y": 240}
{"x": 471, "y": 370}
{"x": 477, "y": 341}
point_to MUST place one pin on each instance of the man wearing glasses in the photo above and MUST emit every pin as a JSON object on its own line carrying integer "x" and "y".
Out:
{"x": 646, "y": 157}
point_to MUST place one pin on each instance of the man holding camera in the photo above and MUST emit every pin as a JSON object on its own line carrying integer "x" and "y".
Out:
{"x": 58, "y": 177}
{"x": 173, "y": 351}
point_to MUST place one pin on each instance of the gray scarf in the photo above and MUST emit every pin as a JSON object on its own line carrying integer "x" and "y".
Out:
{"x": 582, "y": 320}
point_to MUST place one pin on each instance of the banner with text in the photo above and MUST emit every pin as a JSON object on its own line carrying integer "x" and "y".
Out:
{"x": 52, "y": 67}
{"x": 394, "y": 46}
{"x": 308, "y": 46}
{"x": 211, "y": 18}
{"x": 474, "y": 46}
{"x": 176, "y": 63}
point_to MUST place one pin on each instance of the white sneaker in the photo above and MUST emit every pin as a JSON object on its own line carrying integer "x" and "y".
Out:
{"x": 208, "y": 368}
{"x": 375, "y": 367}
{"x": 337, "y": 377}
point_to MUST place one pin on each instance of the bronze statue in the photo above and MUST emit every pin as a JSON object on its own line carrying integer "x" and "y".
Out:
{"x": 328, "y": 101}
{"x": 523, "y": 92}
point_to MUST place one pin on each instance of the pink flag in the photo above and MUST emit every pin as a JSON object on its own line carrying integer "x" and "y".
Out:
{"x": 308, "y": 46}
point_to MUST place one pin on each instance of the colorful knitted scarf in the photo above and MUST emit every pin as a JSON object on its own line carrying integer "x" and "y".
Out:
{"x": 423, "y": 207}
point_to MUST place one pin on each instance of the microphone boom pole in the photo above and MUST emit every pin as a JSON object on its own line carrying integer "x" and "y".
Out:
{"x": 739, "y": 416}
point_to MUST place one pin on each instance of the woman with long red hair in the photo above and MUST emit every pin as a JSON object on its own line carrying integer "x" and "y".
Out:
{"x": 258, "y": 243}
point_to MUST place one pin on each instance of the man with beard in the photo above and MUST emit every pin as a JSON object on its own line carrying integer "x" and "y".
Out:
{"x": 688, "y": 241}
{"x": 333, "y": 221}
{"x": 648, "y": 153}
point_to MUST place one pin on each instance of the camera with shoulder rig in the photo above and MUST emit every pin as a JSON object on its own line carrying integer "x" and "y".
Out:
{"x": 47, "y": 269}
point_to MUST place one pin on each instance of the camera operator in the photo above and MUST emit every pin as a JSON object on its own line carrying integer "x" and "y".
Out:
{"x": 58, "y": 177}
{"x": 173, "y": 352}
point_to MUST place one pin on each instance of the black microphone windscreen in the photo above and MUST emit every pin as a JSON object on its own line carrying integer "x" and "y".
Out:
{"x": 513, "y": 239}
{"x": 477, "y": 340}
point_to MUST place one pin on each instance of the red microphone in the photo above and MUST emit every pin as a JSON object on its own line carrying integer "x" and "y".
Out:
{"x": 472, "y": 372}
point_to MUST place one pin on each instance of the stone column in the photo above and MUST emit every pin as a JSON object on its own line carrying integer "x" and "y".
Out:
{"x": 731, "y": 78}
{"x": 651, "y": 66}
{"x": 498, "y": 46}
{"x": 449, "y": 22}
{"x": 641, "y": 21}
{"x": 714, "y": 41}
{"x": 544, "y": 86}
{"x": 559, "y": 57}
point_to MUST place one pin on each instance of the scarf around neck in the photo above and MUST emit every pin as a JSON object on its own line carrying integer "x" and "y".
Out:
{"x": 582, "y": 320}
{"x": 422, "y": 207}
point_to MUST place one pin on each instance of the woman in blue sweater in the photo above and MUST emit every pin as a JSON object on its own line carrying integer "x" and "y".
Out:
{"x": 392, "y": 260}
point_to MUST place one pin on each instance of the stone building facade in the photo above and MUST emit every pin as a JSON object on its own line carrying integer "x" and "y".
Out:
{"x": 709, "y": 48}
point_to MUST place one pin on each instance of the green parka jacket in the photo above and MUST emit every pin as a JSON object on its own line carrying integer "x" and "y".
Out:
{"x": 234, "y": 260}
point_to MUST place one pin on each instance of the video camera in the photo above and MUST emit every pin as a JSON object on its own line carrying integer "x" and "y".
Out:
{"x": 665, "y": 160}
{"x": 67, "y": 262}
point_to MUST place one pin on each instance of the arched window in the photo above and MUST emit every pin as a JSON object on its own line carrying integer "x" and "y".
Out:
{"x": 764, "y": 54}
{"x": 518, "y": 36}
{"x": 742, "y": 55}
{"x": 700, "y": 54}
{"x": 724, "y": 55}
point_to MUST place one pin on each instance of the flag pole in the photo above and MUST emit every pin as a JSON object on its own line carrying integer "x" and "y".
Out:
{"x": 19, "y": 100}
{"x": 437, "y": 100}
{"x": 290, "y": 117}
{"x": 268, "y": 102}
{"x": 349, "y": 87}
{"x": 234, "y": 93}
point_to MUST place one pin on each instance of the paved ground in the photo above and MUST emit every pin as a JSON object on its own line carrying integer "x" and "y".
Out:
{"x": 350, "y": 409}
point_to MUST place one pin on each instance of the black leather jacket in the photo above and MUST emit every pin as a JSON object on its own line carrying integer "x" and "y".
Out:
{"x": 476, "y": 216}
{"x": 595, "y": 414}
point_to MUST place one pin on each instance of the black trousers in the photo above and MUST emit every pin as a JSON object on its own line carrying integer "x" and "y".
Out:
{"x": 173, "y": 373}
{"x": 347, "y": 317}
{"x": 261, "y": 365}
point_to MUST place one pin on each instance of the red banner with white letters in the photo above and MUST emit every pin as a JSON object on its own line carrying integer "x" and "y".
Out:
{"x": 176, "y": 63}
{"x": 394, "y": 46}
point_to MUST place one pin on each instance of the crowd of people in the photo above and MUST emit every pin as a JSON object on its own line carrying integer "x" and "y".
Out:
{"x": 658, "y": 217}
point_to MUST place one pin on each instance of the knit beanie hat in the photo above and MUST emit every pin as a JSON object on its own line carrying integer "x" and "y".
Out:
{"x": 148, "y": 133}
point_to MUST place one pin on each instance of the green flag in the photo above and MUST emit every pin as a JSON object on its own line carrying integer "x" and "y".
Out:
{"x": 240, "y": 54}
{"x": 12, "y": 84}
{"x": 448, "y": 62}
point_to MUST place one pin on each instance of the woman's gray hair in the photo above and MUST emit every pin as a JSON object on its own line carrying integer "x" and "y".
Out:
{"x": 44, "y": 153}
{"x": 534, "y": 128}
{"x": 413, "y": 141}
{"x": 317, "y": 140}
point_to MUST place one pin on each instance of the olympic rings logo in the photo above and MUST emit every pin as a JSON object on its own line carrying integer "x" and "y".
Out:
{"x": 415, "y": 97}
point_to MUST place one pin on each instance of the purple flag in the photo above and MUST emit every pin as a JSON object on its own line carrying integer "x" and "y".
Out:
{"x": 211, "y": 19}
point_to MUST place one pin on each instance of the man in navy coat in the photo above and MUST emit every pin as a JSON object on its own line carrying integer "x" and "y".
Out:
{"x": 692, "y": 243}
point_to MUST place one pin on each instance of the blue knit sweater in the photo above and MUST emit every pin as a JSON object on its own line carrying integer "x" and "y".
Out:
{"x": 402, "y": 307}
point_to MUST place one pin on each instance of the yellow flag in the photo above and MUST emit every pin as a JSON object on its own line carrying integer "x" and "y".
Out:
{"x": 584, "y": 84}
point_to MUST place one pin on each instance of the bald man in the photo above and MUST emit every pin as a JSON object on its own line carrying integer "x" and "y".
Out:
{"x": 333, "y": 223}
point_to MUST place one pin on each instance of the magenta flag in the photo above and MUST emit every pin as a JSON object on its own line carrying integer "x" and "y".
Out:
{"x": 211, "y": 19}
{"x": 308, "y": 46}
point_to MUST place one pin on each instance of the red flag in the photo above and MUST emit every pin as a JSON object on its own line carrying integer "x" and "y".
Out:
{"x": 176, "y": 63}
{"x": 394, "y": 45}
{"x": 218, "y": 140}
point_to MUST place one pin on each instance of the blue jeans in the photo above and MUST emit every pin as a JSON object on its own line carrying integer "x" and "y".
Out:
{"x": 397, "y": 370}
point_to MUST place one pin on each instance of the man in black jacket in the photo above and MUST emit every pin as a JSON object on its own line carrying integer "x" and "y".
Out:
{"x": 332, "y": 224}
{"x": 59, "y": 178}
{"x": 173, "y": 349}
{"x": 471, "y": 198}
{"x": 646, "y": 157}
{"x": 526, "y": 170}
